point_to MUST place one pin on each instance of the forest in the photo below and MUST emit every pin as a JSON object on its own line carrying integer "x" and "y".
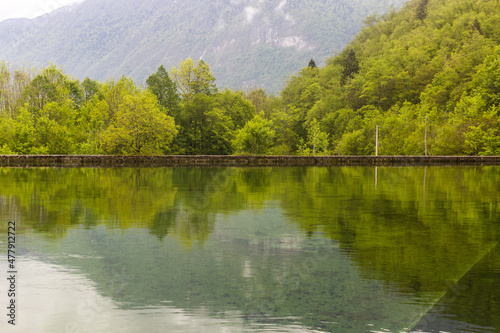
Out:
{"x": 431, "y": 67}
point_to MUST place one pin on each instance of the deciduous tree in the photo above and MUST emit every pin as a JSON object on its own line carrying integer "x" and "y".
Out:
{"x": 139, "y": 127}
{"x": 256, "y": 137}
{"x": 194, "y": 78}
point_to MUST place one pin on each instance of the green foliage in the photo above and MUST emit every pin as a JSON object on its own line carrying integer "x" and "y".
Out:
{"x": 421, "y": 13}
{"x": 236, "y": 107}
{"x": 194, "y": 117}
{"x": 164, "y": 89}
{"x": 92, "y": 120}
{"x": 351, "y": 67}
{"x": 317, "y": 140}
{"x": 114, "y": 93}
{"x": 194, "y": 78}
{"x": 486, "y": 82}
{"x": 90, "y": 88}
{"x": 139, "y": 128}
{"x": 256, "y": 137}
{"x": 446, "y": 69}
{"x": 285, "y": 138}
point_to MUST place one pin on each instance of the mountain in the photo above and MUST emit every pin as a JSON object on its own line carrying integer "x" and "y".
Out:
{"x": 12, "y": 29}
{"x": 247, "y": 43}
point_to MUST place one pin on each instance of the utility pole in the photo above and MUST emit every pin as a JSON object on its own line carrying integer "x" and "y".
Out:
{"x": 426, "y": 154}
{"x": 376, "y": 143}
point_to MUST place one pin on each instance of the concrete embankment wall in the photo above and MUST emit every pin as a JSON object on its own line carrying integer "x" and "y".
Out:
{"x": 210, "y": 160}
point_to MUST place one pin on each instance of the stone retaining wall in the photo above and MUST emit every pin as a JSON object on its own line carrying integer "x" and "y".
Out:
{"x": 210, "y": 160}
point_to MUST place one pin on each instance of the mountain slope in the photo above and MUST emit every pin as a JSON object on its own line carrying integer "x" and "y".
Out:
{"x": 246, "y": 42}
{"x": 428, "y": 76}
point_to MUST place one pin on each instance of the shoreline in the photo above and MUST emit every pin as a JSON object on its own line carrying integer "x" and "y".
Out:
{"x": 238, "y": 161}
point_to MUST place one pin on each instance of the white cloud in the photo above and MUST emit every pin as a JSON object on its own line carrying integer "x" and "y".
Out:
{"x": 251, "y": 12}
{"x": 235, "y": 2}
{"x": 30, "y": 8}
{"x": 281, "y": 6}
{"x": 289, "y": 18}
{"x": 77, "y": 305}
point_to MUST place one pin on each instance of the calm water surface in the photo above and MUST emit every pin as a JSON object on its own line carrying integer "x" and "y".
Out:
{"x": 354, "y": 249}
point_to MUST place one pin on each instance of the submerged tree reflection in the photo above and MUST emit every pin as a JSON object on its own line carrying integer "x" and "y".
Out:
{"x": 398, "y": 222}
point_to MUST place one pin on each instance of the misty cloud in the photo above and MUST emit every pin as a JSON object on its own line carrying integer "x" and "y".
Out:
{"x": 281, "y": 6}
{"x": 251, "y": 12}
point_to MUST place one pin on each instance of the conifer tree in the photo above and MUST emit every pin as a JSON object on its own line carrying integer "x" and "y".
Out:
{"x": 476, "y": 26}
{"x": 351, "y": 67}
{"x": 164, "y": 88}
{"x": 312, "y": 64}
{"x": 422, "y": 9}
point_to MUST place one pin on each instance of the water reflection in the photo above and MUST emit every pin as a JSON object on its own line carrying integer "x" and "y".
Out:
{"x": 61, "y": 300}
{"x": 323, "y": 249}
{"x": 470, "y": 305}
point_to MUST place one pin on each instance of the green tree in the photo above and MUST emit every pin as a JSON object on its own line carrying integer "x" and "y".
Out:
{"x": 208, "y": 122}
{"x": 76, "y": 93}
{"x": 258, "y": 98}
{"x": 486, "y": 80}
{"x": 285, "y": 138}
{"x": 90, "y": 88}
{"x": 164, "y": 89}
{"x": 91, "y": 121}
{"x": 256, "y": 137}
{"x": 193, "y": 130}
{"x": 47, "y": 116}
{"x": 53, "y": 136}
{"x": 219, "y": 133}
{"x": 194, "y": 78}
{"x": 114, "y": 93}
{"x": 139, "y": 127}
{"x": 48, "y": 86}
{"x": 7, "y": 140}
{"x": 421, "y": 12}
{"x": 4, "y": 86}
{"x": 317, "y": 139}
{"x": 239, "y": 110}
{"x": 476, "y": 26}
{"x": 351, "y": 67}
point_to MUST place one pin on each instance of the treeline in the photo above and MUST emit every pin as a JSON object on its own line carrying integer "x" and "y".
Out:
{"x": 432, "y": 62}
{"x": 49, "y": 113}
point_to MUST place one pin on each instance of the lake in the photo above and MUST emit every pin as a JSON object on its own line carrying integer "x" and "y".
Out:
{"x": 313, "y": 249}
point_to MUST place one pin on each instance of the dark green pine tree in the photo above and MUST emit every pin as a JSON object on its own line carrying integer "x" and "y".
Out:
{"x": 351, "y": 67}
{"x": 476, "y": 26}
{"x": 422, "y": 10}
{"x": 312, "y": 64}
{"x": 165, "y": 89}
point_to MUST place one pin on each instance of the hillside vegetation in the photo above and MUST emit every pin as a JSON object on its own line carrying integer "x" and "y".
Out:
{"x": 432, "y": 67}
{"x": 248, "y": 43}
{"x": 433, "y": 59}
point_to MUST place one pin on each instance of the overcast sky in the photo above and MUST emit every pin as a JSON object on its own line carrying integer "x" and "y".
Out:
{"x": 30, "y": 8}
